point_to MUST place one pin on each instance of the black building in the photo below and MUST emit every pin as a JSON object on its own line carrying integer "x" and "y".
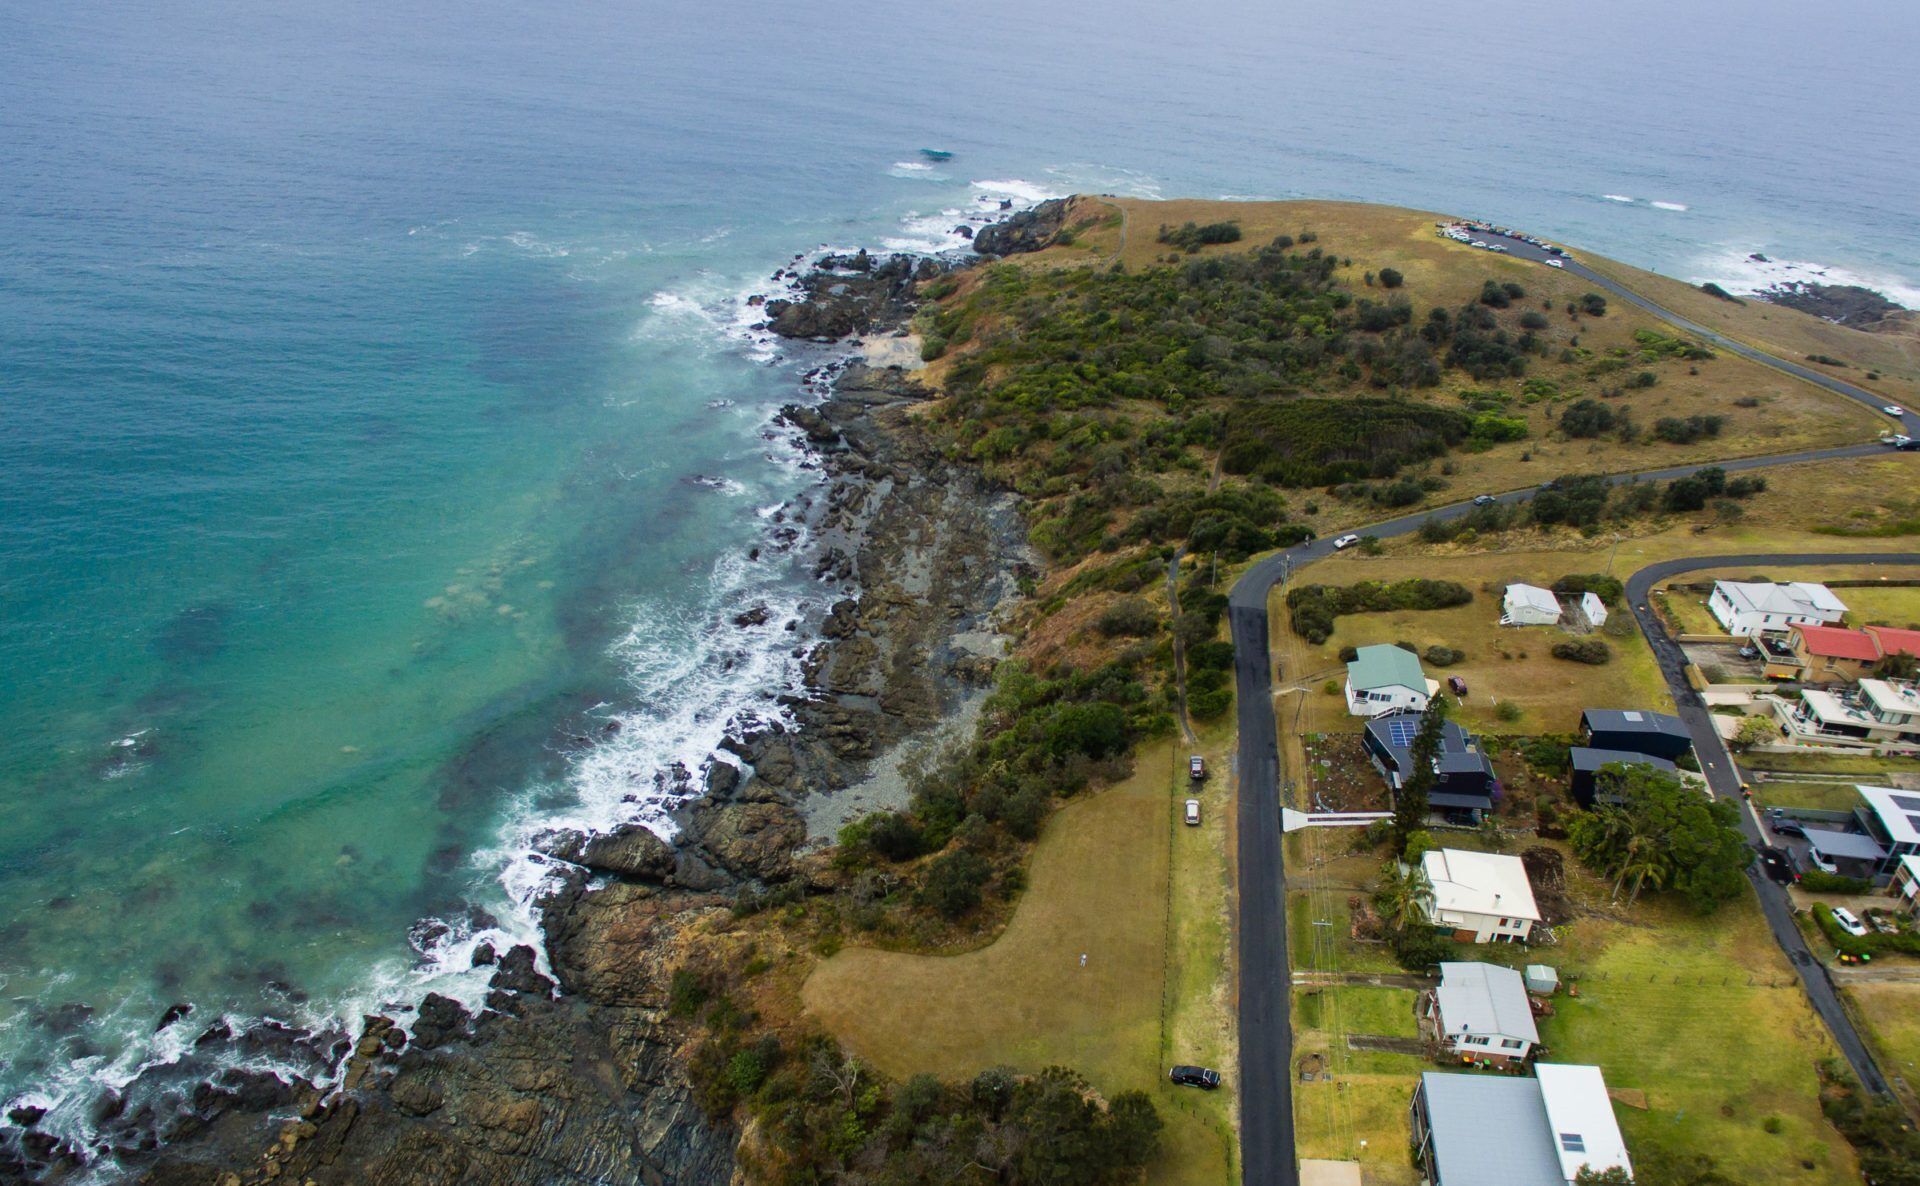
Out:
{"x": 1590, "y": 785}
{"x": 1635, "y": 731}
{"x": 1464, "y": 780}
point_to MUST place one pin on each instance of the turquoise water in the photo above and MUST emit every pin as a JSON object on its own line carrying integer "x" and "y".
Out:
{"x": 357, "y": 365}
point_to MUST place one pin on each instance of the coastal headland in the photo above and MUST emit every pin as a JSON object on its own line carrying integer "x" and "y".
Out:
{"x": 1027, "y": 539}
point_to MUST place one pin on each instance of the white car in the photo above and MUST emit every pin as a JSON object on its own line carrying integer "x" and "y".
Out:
{"x": 1896, "y": 441}
{"x": 1554, "y": 263}
{"x": 1193, "y": 818}
{"x": 1345, "y": 541}
{"x": 1849, "y": 923}
{"x": 1894, "y": 410}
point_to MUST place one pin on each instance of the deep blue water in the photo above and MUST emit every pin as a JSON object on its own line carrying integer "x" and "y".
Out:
{"x": 355, "y": 361}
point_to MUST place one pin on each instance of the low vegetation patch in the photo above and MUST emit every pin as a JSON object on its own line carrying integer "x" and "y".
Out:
{"x": 1663, "y": 836}
{"x": 1312, "y": 608}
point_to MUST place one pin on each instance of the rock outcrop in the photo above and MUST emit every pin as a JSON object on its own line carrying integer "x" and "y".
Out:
{"x": 1029, "y": 230}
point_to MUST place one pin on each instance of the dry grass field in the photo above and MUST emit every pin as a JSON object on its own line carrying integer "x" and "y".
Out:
{"x": 1116, "y": 877}
{"x": 1891, "y": 1013}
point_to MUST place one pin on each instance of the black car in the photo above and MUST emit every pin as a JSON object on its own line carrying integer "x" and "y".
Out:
{"x": 1777, "y": 866}
{"x": 1909, "y": 446}
{"x": 1200, "y": 1077}
{"x": 1783, "y": 826}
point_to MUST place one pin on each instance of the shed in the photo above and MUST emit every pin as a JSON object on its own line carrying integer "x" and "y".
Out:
{"x": 1529, "y": 605}
{"x": 1542, "y": 979}
{"x": 1593, "y": 610}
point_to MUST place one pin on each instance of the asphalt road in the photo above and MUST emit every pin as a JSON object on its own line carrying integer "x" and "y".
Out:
{"x": 1266, "y": 1031}
{"x": 1723, "y": 778}
{"x": 1908, "y": 424}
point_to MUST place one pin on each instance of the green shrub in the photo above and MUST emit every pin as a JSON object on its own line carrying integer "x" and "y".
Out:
{"x": 1313, "y": 608}
{"x": 1129, "y": 616}
{"x": 953, "y": 884}
{"x": 1593, "y": 304}
{"x": 1441, "y": 656}
{"x": 1191, "y": 237}
{"x": 1609, "y": 589}
{"x": 1391, "y": 278}
{"x": 1819, "y": 881}
{"x": 1585, "y": 650}
{"x": 1321, "y": 442}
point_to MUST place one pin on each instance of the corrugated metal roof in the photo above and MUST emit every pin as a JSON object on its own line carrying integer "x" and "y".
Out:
{"x": 1837, "y": 642}
{"x": 1485, "y": 999}
{"x": 1386, "y": 666}
{"x": 1489, "y": 1130}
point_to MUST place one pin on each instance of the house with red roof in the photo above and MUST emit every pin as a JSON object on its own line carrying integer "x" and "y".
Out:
{"x": 1821, "y": 655}
{"x": 1894, "y": 641}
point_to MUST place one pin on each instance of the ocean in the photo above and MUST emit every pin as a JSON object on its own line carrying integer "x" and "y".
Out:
{"x": 384, "y": 435}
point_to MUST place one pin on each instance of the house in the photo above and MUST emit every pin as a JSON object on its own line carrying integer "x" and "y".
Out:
{"x": 1482, "y": 897}
{"x": 1821, "y": 655}
{"x": 1593, "y": 610}
{"x": 1480, "y": 1011}
{"x": 1894, "y": 641}
{"x": 1499, "y": 1130}
{"x": 1874, "y": 713}
{"x": 1385, "y": 678}
{"x": 1906, "y": 886}
{"x": 1464, "y": 779}
{"x": 1591, "y": 783}
{"x": 1655, "y": 734}
{"x": 1892, "y": 817}
{"x": 1529, "y": 605}
{"x": 1747, "y": 608}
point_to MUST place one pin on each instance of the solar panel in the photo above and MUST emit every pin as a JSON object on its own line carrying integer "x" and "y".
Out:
{"x": 1402, "y": 732}
{"x": 1913, "y": 821}
{"x": 1573, "y": 1142}
{"x": 1906, "y": 802}
{"x": 1631, "y": 716}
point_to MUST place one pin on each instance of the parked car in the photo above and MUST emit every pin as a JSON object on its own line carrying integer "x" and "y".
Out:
{"x": 1484, "y": 500}
{"x": 1849, "y": 923}
{"x": 1898, "y": 440}
{"x": 1777, "y": 867}
{"x": 1457, "y": 685}
{"x": 1196, "y": 766}
{"x": 1550, "y": 484}
{"x": 1346, "y": 541}
{"x": 1554, "y": 263}
{"x": 1193, "y": 813}
{"x": 1894, "y": 410}
{"x": 1909, "y": 445}
{"x": 1749, "y": 652}
{"x": 1201, "y": 1077}
{"x": 1786, "y": 827}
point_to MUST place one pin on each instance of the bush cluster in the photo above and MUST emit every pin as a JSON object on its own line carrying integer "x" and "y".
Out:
{"x": 1191, "y": 237}
{"x": 1319, "y": 442}
{"x": 1679, "y": 430}
{"x": 1312, "y": 608}
{"x": 1591, "y": 651}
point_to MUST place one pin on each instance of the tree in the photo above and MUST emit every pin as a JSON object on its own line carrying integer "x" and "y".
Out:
{"x": 953, "y": 882}
{"x": 1402, "y": 896}
{"x": 1391, "y": 278}
{"x": 1133, "y": 1129}
{"x": 1613, "y": 1176}
{"x": 1410, "y": 801}
{"x": 1663, "y": 834}
{"x": 1752, "y": 731}
{"x": 1899, "y": 665}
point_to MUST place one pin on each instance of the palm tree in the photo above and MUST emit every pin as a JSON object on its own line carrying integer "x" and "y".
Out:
{"x": 1645, "y": 864}
{"x": 1403, "y": 896}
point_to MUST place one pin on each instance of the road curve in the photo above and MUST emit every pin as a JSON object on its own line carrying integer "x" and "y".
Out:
{"x": 1266, "y": 1032}
{"x": 1521, "y": 249}
{"x": 1723, "y": 778}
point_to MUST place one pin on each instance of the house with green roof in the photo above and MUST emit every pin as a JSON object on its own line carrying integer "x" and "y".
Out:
{"x": 1384, "y": 679}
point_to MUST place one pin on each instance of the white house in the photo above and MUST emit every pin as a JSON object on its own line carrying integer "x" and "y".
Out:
{"x": 1482, "y": 897}
{"x": 1384, "y": 679}
{"x": 1747, "y": 608}
{"x": 1529, "y": 605}
{"x": 1593, "y": 610}
{"x": 1481, "y": 1011}
{"x": 1482, "y": 1130}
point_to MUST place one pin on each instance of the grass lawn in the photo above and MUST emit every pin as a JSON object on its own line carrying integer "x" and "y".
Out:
{"x": 1687, "y": 610}
{"x": 1818, "y": 796}
{"x": 1099, "y": 884}
{"x": 1891, "y": 1011}
{"x": 1502, "y": 663}
{"x": 1665, "y": 1007}
{"x": 1867, "y": 766}
{"x": 1894, "y": 605}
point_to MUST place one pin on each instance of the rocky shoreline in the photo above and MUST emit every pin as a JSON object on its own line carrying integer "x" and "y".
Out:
{"x": 580, "y": 1077}
{"x": 1844, "y": 304}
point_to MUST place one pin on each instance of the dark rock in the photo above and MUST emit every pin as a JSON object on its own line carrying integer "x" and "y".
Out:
{"x": 484, "y": 955}
{"x": 722, "y": 778}
{"x": 1029, "y": 230}
{"x": 753, "y": 839}
{"x": 440, "y": 1020}
{"x": 629, "y": 851}
{"x": 964, "y": 231}
{"x": 415, "y": 1094}
{"x": 26, "y": 1116}
{"x": 518, "y": 974}
{"x": 757, "y": 616}
{"x": 842, "y": 620}
{"x": 107, "y": 1106}
{"x": 1845, "y": 304}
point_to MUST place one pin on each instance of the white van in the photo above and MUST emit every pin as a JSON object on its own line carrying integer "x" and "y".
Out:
{"x": 1193, "y": 813}
{"x": 1841, "y": 914}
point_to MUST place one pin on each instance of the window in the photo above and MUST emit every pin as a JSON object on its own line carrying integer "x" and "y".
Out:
{"x": 1511, "y": 1044}
{"x": 1573, "y": 1142}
